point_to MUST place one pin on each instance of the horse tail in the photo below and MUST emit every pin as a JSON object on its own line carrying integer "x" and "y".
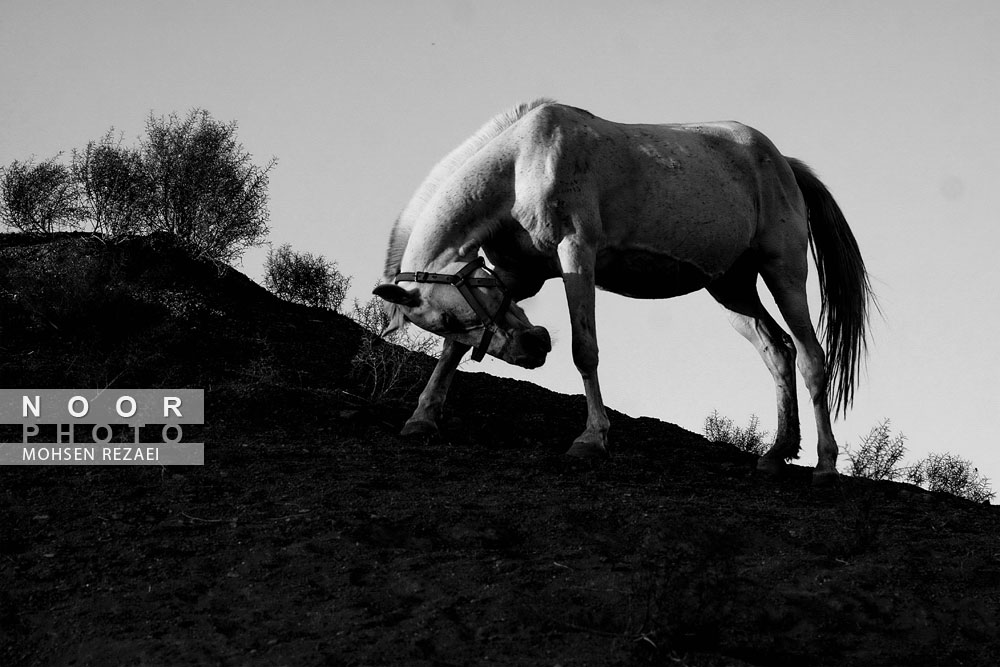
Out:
{"x": 844, "y": 285}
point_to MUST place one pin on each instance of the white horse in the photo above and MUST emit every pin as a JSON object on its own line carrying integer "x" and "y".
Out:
{"x": 648, "y": 211}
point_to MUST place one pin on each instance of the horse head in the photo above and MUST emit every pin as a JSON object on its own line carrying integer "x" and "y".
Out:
{"x": 468, "y": 305}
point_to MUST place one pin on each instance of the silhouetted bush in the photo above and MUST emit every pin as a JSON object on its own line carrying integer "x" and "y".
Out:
{"x": 951, "y": 474}
{"x": 206, "y": 190}
{"x": 301, "y": 277}
{"x": 878, "y": 455}
{"x": 39, "y": 198}
{"x": 749, "y": 439}
{"x": 189, "y": 177}
{"x": 115, "y": 188}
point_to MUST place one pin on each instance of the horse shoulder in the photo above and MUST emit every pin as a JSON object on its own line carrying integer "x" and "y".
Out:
{"x": 553, "y": 171}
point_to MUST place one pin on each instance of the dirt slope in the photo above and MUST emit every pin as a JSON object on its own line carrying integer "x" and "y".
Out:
{"x": 315, "y": 536}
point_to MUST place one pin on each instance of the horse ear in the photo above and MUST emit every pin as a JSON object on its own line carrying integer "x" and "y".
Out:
{"x": 398, "y": 295}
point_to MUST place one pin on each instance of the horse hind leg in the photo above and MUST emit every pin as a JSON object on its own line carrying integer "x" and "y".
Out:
{"x": 738, "y": 294}
{"x": 788, "y": 286}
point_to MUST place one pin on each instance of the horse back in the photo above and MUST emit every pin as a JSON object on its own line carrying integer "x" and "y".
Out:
{"x": 677, "y": 200}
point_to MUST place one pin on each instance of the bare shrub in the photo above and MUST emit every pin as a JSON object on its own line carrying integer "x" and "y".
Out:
{"x": 878, "y": 455}
{"x": 951, "y": 474}
{"x": 206, "y": 190}
{"x": 39, "y": 198}
{"x": 748, "y": 439}
{"x": 302, "y": 277}
{"x": 388, "y": 367}
{"x": 115, "y": 189}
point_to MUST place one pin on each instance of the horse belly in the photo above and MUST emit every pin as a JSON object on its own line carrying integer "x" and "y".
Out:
{"x": 648, "y": 275}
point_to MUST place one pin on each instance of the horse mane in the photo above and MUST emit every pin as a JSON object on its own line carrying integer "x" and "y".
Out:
{"x": 403, "y": 226}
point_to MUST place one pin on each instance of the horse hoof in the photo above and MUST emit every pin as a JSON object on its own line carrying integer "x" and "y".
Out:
{"x": 419, "y": 427}
{"x": 587, "y": 450}
{"x": 825, "y": 478}
{"x": 770, "y": 467}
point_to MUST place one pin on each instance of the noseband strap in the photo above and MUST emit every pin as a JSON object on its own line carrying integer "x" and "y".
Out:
{"x": 464, "y": 281}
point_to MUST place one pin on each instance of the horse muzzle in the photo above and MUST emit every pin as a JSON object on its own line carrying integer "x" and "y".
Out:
{"x": 528, "y": 348}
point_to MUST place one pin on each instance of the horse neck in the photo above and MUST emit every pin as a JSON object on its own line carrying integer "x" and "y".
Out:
{"x": 442, "y": 172}
{"x": 460, "y": 217}
{"x": 435, "y": 245}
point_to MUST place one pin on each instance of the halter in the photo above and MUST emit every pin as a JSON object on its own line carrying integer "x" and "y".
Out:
{"x": 464, "y": 281}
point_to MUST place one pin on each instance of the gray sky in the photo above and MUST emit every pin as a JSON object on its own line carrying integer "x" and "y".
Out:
{"x": 892, "y": 103}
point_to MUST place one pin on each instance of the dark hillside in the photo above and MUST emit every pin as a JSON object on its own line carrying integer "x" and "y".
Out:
{"x": 142, "y": 313}
{"x": 314, "y": 535}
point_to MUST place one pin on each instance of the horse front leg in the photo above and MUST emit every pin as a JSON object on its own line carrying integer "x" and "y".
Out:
{"x": 577, "y": 264}
{"x": 424, "y": 420}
